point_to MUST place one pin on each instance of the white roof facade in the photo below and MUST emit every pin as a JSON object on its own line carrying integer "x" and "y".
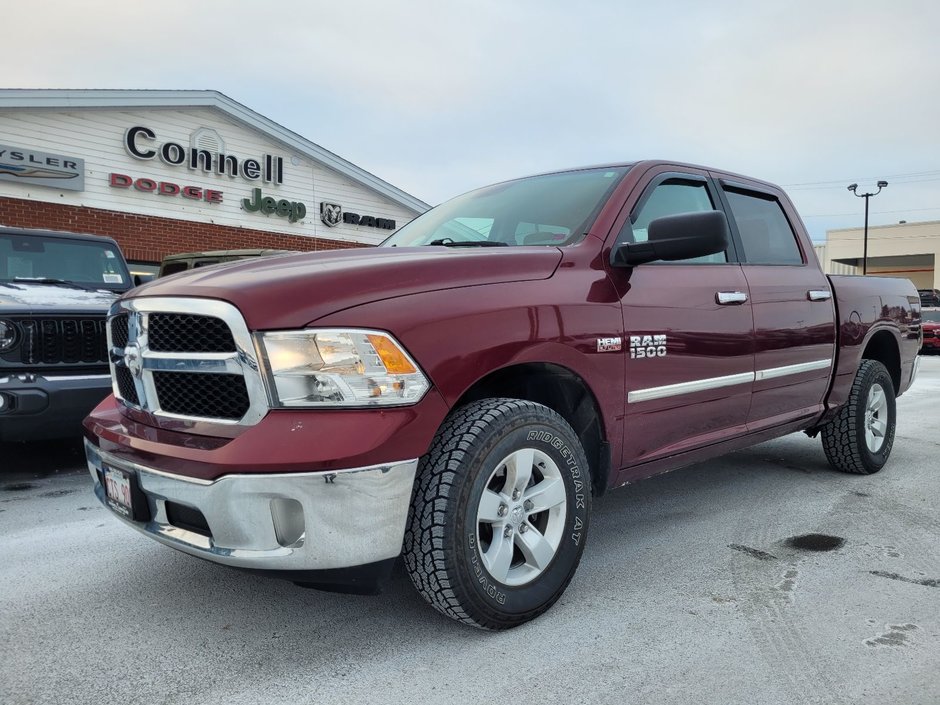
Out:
{"x": 134, "y": 148}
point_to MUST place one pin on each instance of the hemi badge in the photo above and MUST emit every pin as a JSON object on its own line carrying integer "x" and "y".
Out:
{"x": 609, "y": 344}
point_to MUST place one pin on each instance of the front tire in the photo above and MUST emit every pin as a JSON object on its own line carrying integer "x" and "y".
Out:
{"x": 500, "y": 512}
{"x": 859, "y": 439}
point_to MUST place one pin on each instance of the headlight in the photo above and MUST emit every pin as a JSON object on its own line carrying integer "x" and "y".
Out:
{"x": 328, "y": 367}
{"x": 8, "y": 335}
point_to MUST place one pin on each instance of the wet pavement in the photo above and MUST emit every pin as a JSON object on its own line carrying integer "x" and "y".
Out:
{"x": 760, "y": 577}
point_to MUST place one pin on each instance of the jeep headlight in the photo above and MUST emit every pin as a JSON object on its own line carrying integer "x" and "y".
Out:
{"x": 339, "y": 367}
{"x": 8, "y": 335}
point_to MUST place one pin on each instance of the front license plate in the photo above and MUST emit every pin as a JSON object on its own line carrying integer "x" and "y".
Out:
{"x": 117, "y": 484}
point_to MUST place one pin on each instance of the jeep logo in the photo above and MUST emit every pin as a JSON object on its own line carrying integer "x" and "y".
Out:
{"x": 292, "y": 210}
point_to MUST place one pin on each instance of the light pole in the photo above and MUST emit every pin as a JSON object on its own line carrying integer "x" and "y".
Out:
{"x": 866, "y": 196}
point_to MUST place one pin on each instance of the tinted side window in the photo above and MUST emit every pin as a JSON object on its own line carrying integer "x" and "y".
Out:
{"x": 765, "y": 232}
{"x": 173, "y": 268}
{"x": 672, "y": 197}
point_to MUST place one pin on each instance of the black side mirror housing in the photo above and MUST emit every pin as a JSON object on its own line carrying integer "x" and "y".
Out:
{"x": 675, "y": 237}
{"x": 142, "y": 279}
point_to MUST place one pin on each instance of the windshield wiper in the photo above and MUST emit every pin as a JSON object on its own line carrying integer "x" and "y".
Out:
{"x": 52, "y": 282}
{"x": 448, "y": 242}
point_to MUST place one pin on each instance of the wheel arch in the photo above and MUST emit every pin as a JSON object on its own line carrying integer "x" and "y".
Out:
{"x": 562, "y": 390}
{"x": 883, "y": 347}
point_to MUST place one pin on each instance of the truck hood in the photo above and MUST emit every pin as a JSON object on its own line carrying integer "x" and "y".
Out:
{"x": 25, "y": 299}
{"x": 294, "y": 290}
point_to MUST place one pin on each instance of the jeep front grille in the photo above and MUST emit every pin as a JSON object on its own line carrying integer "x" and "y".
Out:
{"x": 178, "y": 358}
{"x": 61, "y": 341}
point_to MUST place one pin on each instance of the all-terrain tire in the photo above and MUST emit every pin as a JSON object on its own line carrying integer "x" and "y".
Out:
{"x": 445, "y": 540}
{"x": 844, "y": 438}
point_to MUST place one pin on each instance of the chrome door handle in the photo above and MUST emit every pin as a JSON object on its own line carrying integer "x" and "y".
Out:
{"x": 730, "y": 298}
{"x": 818, "y": 295}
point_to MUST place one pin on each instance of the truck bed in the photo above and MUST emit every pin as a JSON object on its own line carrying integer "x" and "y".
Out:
{"x": 885, "y": 306}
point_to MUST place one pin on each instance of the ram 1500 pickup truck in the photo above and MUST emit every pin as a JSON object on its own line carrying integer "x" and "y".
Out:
{"x": 459, "y": 394}
{"x": 55, "y": 292}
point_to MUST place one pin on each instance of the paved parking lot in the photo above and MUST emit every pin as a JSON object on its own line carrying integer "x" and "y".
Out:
{"x": 688, "y": 592}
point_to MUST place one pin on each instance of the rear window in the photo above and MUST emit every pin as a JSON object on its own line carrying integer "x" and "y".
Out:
{"x": 174, "y": 267}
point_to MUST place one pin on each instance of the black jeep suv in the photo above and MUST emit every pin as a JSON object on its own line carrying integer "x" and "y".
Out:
{"x": 55, "y": 290}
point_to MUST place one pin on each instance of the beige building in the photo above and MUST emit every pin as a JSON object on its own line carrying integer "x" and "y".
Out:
{"x": 903, "y": 250}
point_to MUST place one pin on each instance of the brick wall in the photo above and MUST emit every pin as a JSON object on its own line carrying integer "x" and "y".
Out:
{"x": 149, "y": 238}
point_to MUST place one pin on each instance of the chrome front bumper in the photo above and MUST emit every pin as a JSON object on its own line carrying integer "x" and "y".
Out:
{"x": 295, "y": 521}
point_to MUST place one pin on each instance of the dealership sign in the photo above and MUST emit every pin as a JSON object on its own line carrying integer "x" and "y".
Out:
{"x": 165, "y": 188}
{"x": 32, "y": 168}
{"x": 142, "y": 143}
{"x": 259, "y": 203}
{"x": 332, "y": 214}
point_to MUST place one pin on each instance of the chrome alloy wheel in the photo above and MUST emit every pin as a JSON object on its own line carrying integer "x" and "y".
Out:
{"x": 876, "y": 418}
{"x": 521, "y": 517}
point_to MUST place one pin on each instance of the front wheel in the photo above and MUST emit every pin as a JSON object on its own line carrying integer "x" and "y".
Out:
{"x": 500, "y": 513}
{"x": 860, "y": 437}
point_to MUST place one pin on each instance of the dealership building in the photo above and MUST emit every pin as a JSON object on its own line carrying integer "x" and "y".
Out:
{"x": 909, "y": 250}
{"x": 164, "y": 172}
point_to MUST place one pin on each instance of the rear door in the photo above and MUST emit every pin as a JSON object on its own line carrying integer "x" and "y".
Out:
{"x": 790, "y": 297}
{"x": 687, "y": 339}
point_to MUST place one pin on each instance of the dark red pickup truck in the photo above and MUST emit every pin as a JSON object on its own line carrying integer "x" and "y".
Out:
{"x": 459, "y": 394}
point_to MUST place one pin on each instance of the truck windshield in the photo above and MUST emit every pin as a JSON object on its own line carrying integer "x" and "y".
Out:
{"x": 554, "y": 209}
{"x": 48, "y": 260}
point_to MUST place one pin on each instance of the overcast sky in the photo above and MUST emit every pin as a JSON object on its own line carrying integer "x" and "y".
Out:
{"x": 440, "y": 97}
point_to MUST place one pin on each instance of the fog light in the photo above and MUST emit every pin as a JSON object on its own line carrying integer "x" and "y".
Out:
{"x": 5, "y": 402}
{"x": 288, "y": 516}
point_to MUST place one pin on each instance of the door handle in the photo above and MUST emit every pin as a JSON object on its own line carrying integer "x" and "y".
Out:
{"x": 730, "y": 298}
{"x": 818, "y": 294}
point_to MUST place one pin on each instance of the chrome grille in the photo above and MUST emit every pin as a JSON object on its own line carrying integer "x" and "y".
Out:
{"x": 125, "y": 384}
{"x": 185, "y": 358}
{"x": 217, "y": 396}
{"x": 180, "y": 332}
{"x": 119, "y": 331}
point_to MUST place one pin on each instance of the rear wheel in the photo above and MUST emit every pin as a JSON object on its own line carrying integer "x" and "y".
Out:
{"x": 860, "y": 437}
{"x": 500, "y": 513}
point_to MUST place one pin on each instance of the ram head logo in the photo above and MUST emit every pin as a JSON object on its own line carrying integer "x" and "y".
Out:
{"x": 331, "y": 213}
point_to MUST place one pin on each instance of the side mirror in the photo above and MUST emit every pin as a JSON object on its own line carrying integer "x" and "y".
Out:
{"x": 675, "y": 237}
{"x": 142, "y": 279}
